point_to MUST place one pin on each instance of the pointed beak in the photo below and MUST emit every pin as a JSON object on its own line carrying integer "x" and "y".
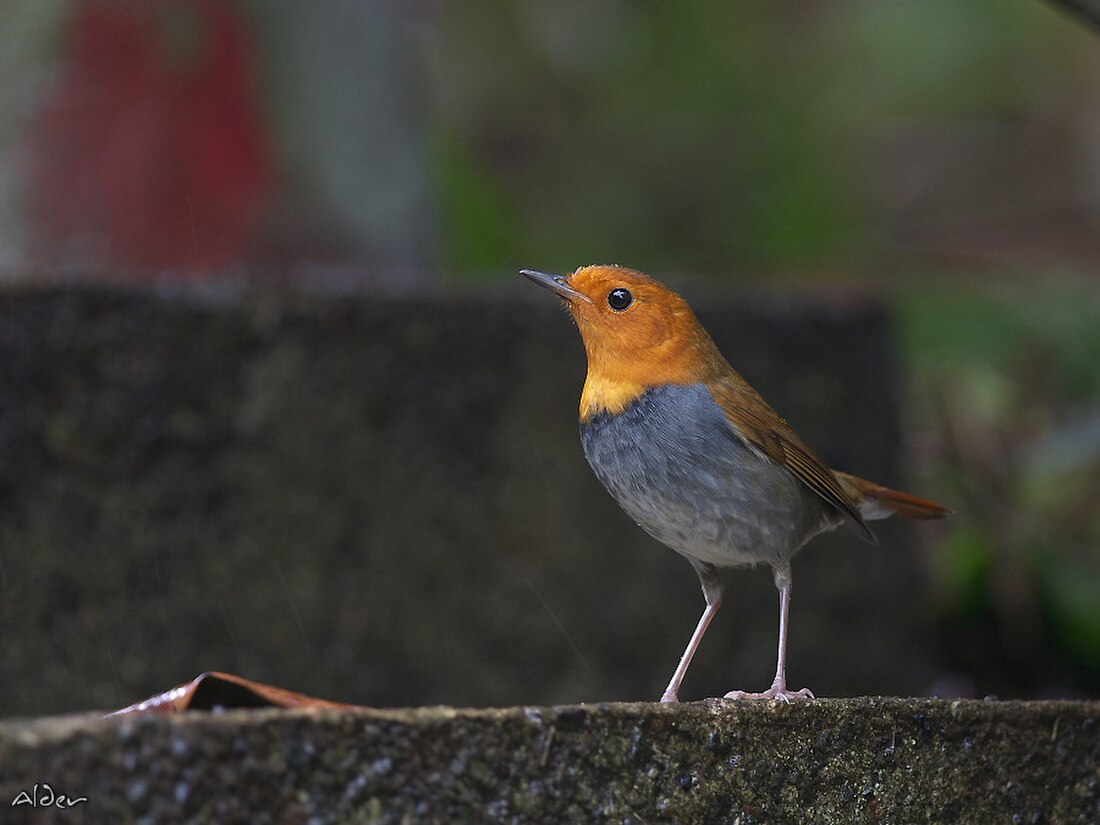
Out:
{"x": 558, "y": 284}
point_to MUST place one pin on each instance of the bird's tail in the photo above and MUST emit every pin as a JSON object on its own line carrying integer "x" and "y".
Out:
{"x": 876, "y": 502}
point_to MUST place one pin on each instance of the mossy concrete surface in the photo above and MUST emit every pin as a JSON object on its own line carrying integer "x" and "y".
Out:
{"x": 845, "y": 761}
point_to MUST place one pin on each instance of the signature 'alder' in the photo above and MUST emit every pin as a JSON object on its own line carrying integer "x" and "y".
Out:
{"x": 694, "y": 455}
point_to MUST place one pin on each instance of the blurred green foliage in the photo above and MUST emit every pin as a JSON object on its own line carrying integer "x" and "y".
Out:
{"x": 1005, "y": 387}
{"x": 720, "y": 137}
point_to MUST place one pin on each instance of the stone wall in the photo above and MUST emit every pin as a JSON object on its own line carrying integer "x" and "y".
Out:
{"x": 384, "y": 501}
{"x": 833, "y": 761}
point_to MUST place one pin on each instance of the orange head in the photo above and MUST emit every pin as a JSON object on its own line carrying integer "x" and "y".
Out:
{"x": 637, "y": 333}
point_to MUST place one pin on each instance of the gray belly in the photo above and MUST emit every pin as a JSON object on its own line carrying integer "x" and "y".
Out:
{"x": 676, "y": 466}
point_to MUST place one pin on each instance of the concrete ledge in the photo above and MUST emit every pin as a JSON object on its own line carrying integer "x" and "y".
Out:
{"x": 858, "y": 760}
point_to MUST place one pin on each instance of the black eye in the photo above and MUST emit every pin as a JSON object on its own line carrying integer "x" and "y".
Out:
{"x": 619, "y": 299}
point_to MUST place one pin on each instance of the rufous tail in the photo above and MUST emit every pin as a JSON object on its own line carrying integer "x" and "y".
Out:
{"x": 877, "y": 502}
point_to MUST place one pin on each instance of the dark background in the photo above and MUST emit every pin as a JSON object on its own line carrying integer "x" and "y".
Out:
{"x": 260, "y": 332}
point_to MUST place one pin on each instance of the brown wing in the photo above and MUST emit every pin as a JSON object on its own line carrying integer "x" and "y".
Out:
{"x": 763, "y": 428}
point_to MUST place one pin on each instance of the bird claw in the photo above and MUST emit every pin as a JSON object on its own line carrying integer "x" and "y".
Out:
{"x": 776, "y": 693}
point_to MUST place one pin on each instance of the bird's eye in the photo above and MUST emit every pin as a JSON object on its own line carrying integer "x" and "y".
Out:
{"x": 619, "y": 299}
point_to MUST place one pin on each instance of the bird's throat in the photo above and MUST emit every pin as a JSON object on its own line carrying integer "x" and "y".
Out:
{"x": 601, "y": 395}
{"x": 614, "y": 383}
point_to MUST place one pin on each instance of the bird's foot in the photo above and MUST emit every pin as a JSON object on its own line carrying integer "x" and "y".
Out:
{"x": 778, "y": 692}
{"x": 669, "y": 697}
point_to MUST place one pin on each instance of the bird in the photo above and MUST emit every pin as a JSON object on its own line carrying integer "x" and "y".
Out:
{"x": 695, "y": 456}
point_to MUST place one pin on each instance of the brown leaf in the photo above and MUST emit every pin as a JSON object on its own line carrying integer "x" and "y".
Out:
{"x": 213, "y": 690}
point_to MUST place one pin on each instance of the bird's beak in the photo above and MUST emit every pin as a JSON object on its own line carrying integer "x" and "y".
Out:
{"x": 558, "y": 284}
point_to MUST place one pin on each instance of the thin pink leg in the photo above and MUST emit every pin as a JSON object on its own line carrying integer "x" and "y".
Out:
{"x": 712, "y": 592}
{"x": 670, "y": 694}
{"x": 778, "y": 690}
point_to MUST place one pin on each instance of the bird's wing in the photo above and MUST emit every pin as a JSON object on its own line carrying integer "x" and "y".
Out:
{"x": 761, "y": 427}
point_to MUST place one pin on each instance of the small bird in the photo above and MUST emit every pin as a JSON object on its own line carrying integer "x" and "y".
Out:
{"x": 695, "y": 455}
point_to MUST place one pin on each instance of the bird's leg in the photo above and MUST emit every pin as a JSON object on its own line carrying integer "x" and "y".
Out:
{"x": 712, "y": 593}
{"x": 778, "y": 690}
